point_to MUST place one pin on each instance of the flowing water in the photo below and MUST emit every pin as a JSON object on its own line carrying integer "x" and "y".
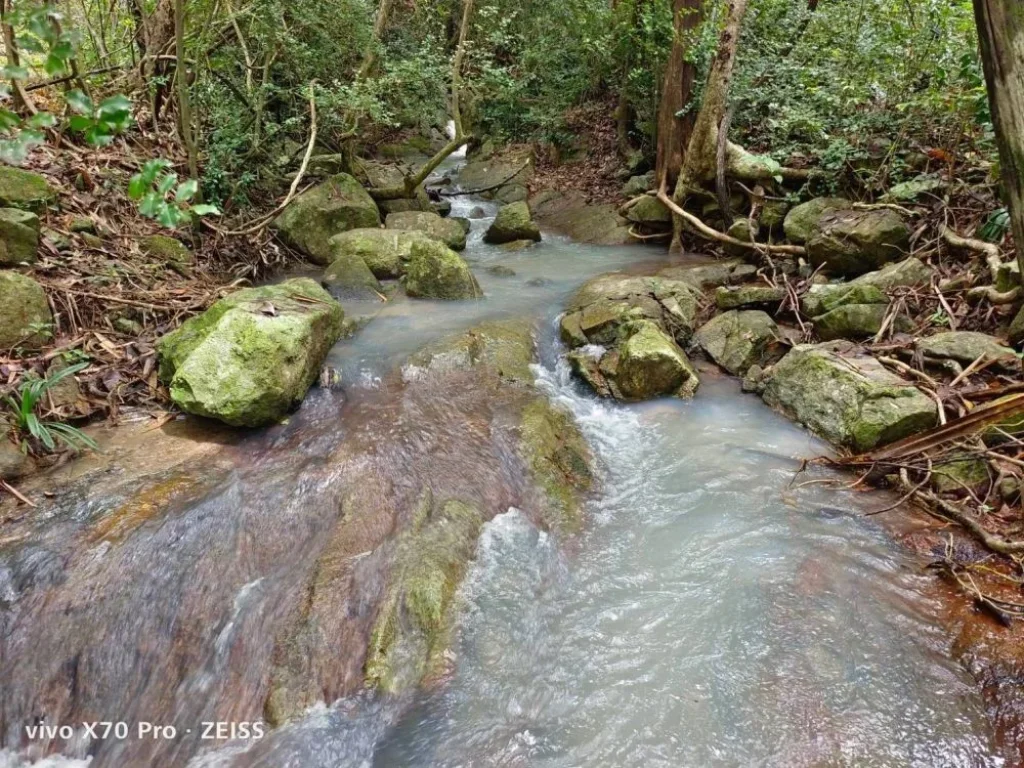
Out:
{"x": 712, "y": 612}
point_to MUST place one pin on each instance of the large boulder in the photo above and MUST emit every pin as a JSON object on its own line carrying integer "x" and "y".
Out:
{"x": 318, "y": 214}
{"x": 638, "y": 185}
{"x": 25, "y": 190}
{"x": 447, "y": 231}
{"x": 736, "y": 340}
{"x": 847, "y": 397}
{"x": 19, "y": 237}
{"x": 252, "y": 356}
{"x": 25, "y": 317}
{"x": 646, "y": 363}
{"x": 384, "y": 251}
{"x": 492, "y": 171}
{"x": 604, "y": 305}
{"x": 713, "y": 275}
{"x": 801, "y": 222}
{"x": 965, "y": 347}
{"x": 435, "y": 271}
{"x": 512, "y": 223}
{"x": 850, "y": 243}
{"x": 571, "y": 214}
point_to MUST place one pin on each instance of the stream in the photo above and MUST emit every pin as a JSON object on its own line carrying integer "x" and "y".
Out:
{"x": 711, "y": 613}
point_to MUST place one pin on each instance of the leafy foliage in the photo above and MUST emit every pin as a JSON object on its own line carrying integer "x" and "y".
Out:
{"x": 49, "y": 434}
{"x": 162, "y": 197}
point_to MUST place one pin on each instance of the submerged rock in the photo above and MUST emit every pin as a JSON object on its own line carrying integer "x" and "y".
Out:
{"x": 19, "y": 237}
{"x": 847, "y": 397}
{"x": 318, "y": 214}
{"x": 434, "y": 271}
{"x": 737, "y": 340}
{"x": 414, "y": 622}
{"x": 502, "y": 349}
{"x": 802, "y": 221}
{"x": 253, "y": 355}
{"x": 25, "y": 190}
{"x": 850, "y": 243}
{"x": 25, "y": 317}
{"x": 512, "y": 223}
{"x": 384, "y": 251}
{"x": 447, "y": 231}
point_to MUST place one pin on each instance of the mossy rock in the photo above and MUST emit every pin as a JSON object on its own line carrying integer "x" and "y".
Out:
{"x": 847, "y": 397}
{"x": 434, "y": 271}
{"x": 773, "y": 216}
{"x": 967, "y": 346}
{"x": 742, "y": 231}
{"x": 603, "y": 306}
{"x": 850, "y": 243}
{"x": 349, "y": 277}
{"x": 852, "y": 321}
{"x": 650, "y": 364}
{"x": 252, "y": 356}
{"x": 740, "y": 296}
{"x": 909, "y": 273}
{"x": 26, "y": 321}
{"x": 19, "y": 237}
{"x": 318, "y": 214}
{"x": 503, "y": 349}
{"x": 168, "y": 250}
{"x": 961, "y": 474}
{"x": 737, "y": 340}
{"x": 447, "y": 231}
{"x": 25, "y": 190}
{"x": 512, "y": 223}
{"x": 801, "y": 222}
{"x": 560, "y": 461}
{"x": 638, "y": 185}
{"x": 825, "y": 297}
{"x": 384, "y": 251}
{"x": 585, "y": 222}
{"x": 415, "y": 621}
{"x": 649, "y": 211}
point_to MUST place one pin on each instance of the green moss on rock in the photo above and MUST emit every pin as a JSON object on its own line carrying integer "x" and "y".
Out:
{"x": 25, "y": 190}
{"x": 25, "y": 317}
{"x": 504, "y": 349}
{"x": 19, "y": 237}
{"x": 802, "y": 220}
{"x": 314, "y": 217}
{"x": 253, "y": 355}
{"x": 447, "y": 231}
{"x": 512, "y": 223}
{"x": 850, "y": 243}
{"x": 434, "y": 271}
{"x": 737, "y": 340}
{"x": 384, "y": 251}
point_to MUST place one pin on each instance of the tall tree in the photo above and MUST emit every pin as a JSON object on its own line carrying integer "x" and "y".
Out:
{"x": 674, "y": 127}
{"x": 1001, "y": 34}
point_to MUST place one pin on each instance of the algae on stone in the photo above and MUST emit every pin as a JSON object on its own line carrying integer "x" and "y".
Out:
{"x": 737, "y": 340}
{"x": 19, "y": 237}
{"x": 850, "y": 243}
{"x": 25, "y": 317}
{"x": 447, "y": 231}
{"x": 847, "y": 397}
{"x": 25, "y": 190}
{"x": 801, "y": 221}
{"x": 384, "y": 251}
{"x": 318, "y": 214}
{"x": 349, "y": 277}
{"x": 253, "y": 355}
{"x": 434, "y": 271}
{"x": 512, "y": 223}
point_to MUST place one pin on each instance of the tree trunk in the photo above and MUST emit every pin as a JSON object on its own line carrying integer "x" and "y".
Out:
{"x": 380, "y": 25}
{"x": 676, "y": 92}
{"x": 1001, "y": 34}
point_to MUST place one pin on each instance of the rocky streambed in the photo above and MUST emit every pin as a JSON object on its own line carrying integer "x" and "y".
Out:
{"x": 471, "y": 551}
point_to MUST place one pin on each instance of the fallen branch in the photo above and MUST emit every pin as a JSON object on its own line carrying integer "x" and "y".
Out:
{"x": 990, "y": 540}
{"x": 713, "y": 234}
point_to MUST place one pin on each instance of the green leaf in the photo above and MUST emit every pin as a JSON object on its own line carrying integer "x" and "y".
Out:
{"x": 137, "y": 187}
{"x": 79, "y": 102}
{"x": 170, "y": 216}
{"x": 206, "y": 209}
{"x": 186, "y": 191}
{"x": 80, "y": 123}
{"x": 166, "y": 184}
{"x": 42, "y": 120}
{"x": 115, "y": 107}
{"x": 14, "y": 73}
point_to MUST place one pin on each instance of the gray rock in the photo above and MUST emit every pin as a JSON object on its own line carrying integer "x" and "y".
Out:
{"x": 967, "y": 346}
{"x": 737, "y": 340}
{"x": 512, "y": 223}
{"x": 19, "y": 237}
{"x": 25, "y": 317}
{"x": 909, "y": 273}
{"x": 847, "y": 397}
{"x": 850, "y": 243}
{"x": 448, "y": 231}
{"x": 434, "y": 271}
{"x": 801, "y": 222}
{"x": 740, "y": 296}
